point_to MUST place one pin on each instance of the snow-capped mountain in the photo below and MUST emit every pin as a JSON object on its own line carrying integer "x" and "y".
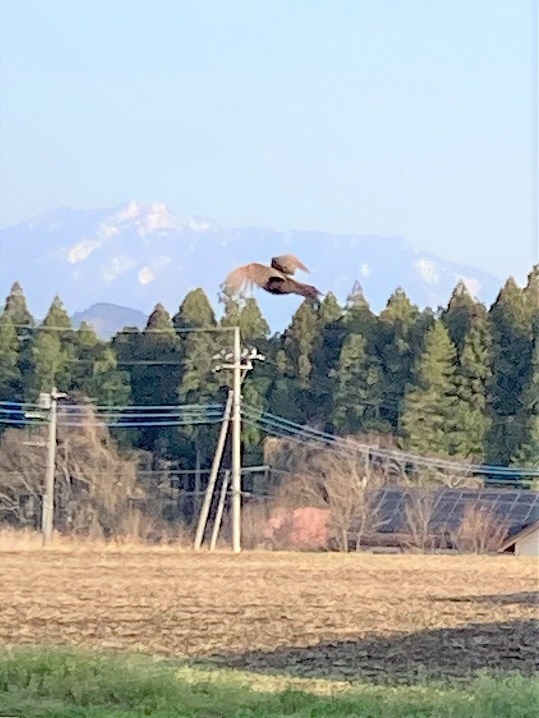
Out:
{"x": 137, "y": 255}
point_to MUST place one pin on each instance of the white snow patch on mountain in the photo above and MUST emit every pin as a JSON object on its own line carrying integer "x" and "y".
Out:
{"x": 81, "y": 250}
{"x": 158, "y": 217}
{"x": 428, "y": 271}
{"x": 129, "y": 211}
{"x": 145, "y": 275}
{"x": 365, "y": 270}
{"x": 118, "y": 266}
{"x": 107, "y": 230}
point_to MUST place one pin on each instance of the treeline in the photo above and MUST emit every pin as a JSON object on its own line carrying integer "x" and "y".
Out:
{"x": 462, "y": 381}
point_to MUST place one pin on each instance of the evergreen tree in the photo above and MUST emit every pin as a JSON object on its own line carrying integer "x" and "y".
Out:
{"x": 528, "y": 451}
{"x": 195, "y": 312}
{"x": 254, "y": 328}
{"x": 52, "y": 351}
{"x": 254, "y": 332}
{"x": 281, "y": 401}
{"x": 531, "y": 297}
{"x": 16, "y": 310}
{"x": 199, "y": 384}
{"x": 9, "y": 359}
{"x": 295, "y": 358}
{"x": 473, "y": 375}
{"x": 358, "y": 393}
{"x": 359, "y": 319}
{"x": 86, "y": 345}
{"x": 298, "y": 343}
{"x": 397, "y": 341}
{"x": 95, "y": 372}
{"x": 511, "y": 361}
{"x": 460, "y": 312}
{"x": 197, "y": 347}
{"x": 109, "y": 385}
{"x": 156, "y": 376}
{"x": 431, "y": 404}
{"x": 325, "y": 357}
{"x": 157, "y": 383}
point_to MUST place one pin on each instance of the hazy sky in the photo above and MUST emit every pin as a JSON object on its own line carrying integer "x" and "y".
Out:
{"x": 389, "y": 117}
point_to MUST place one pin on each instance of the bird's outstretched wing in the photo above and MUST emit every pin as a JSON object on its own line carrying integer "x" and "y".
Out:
{"x": 248, "y": 274}
{"x": 287, "y": 264}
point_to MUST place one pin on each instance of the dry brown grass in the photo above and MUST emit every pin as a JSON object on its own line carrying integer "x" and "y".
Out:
{"x": 28, "y": 540}
{"x": 309, "y": 613}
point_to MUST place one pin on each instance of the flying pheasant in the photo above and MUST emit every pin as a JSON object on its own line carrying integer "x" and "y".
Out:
{"x": 276, "y": 279}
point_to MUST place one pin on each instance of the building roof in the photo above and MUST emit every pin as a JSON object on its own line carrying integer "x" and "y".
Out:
{"x": 517, "y": 508}
{"x": 527, "y": 531}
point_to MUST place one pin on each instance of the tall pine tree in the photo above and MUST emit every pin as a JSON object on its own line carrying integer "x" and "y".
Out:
{"x": 527, "y": 453}
{"x": 358, "y": 391}
{"x": 254, "y": 332}
{"x": 52, "y": 351}
{"x": 459, "y": 314}
{"x": 359, "y": 318}
{"x": 17, "y": 312}
{"x": 295, "y": 360}
{"x": 325, "y": 357}
{"x": 199, "y": 384}
{"x": 398, "y": 339}
{"x": 431, "y": 404}
{"x": 9, "y": 359}
{"x": 473, "y": 374}
{"x": 95, "y": 373}
{"x": 511, "y": 323}
{"x": 155, "y": 378}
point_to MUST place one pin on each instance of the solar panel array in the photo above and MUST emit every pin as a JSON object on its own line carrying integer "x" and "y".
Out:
{"x": 517, "y": 508}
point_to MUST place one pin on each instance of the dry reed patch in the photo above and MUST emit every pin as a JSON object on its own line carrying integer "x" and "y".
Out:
{"x": 183, "y": 604}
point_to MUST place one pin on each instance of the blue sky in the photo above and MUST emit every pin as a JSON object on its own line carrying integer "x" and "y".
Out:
{"x": 389, "y": 117}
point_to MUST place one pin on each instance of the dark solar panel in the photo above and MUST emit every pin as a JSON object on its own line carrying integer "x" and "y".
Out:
{"x": 517, "y": 508}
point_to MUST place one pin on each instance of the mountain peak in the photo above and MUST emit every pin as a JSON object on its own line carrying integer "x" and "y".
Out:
{"x": 154, "y": 217}
{"x": 145, "y": 219}
{"x": 141, "y": 254}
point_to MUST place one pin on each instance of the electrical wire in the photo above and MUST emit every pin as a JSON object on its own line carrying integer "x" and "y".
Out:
{"x": 285, "y": 428}
{"x": 141, "y": 416}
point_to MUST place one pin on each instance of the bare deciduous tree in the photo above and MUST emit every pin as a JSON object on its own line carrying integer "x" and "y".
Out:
{"x": 419, "y": 512}
{"x": 22, "y": 473}
{"x": 481, "y": 530}
{"x": 339, "y": 483}
{"x": 93, "y": 482}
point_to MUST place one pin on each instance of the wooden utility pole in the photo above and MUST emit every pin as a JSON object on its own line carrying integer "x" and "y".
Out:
{"x": 242, "y": 362}
{"x": 236, "y": 445}
{"x": 219, "y": 514}
{"x": 50, "y": 402}
{"x": 213, "y": 474}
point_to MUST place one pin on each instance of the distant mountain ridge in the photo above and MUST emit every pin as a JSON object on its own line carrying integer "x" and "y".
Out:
{"x": 108, "y": 319}
{"x": 136, "y": 255}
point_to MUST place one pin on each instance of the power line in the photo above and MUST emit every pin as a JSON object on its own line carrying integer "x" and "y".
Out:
{"x": 134, "y": 332}
{"x": 119, "y": 407}
{"x": 140, "y": 416}
{"x": 286, "y": 427}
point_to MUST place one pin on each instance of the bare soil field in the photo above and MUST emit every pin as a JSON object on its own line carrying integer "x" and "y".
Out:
{"x": 356, "y": 616}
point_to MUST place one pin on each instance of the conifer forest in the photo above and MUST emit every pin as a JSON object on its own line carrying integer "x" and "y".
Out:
{"x": 462, "y": 381}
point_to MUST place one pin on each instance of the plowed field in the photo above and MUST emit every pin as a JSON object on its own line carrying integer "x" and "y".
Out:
{"x": 356, "y": 616}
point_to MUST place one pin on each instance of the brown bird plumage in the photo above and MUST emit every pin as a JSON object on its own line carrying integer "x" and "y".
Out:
{"x": 276, "y": 279}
